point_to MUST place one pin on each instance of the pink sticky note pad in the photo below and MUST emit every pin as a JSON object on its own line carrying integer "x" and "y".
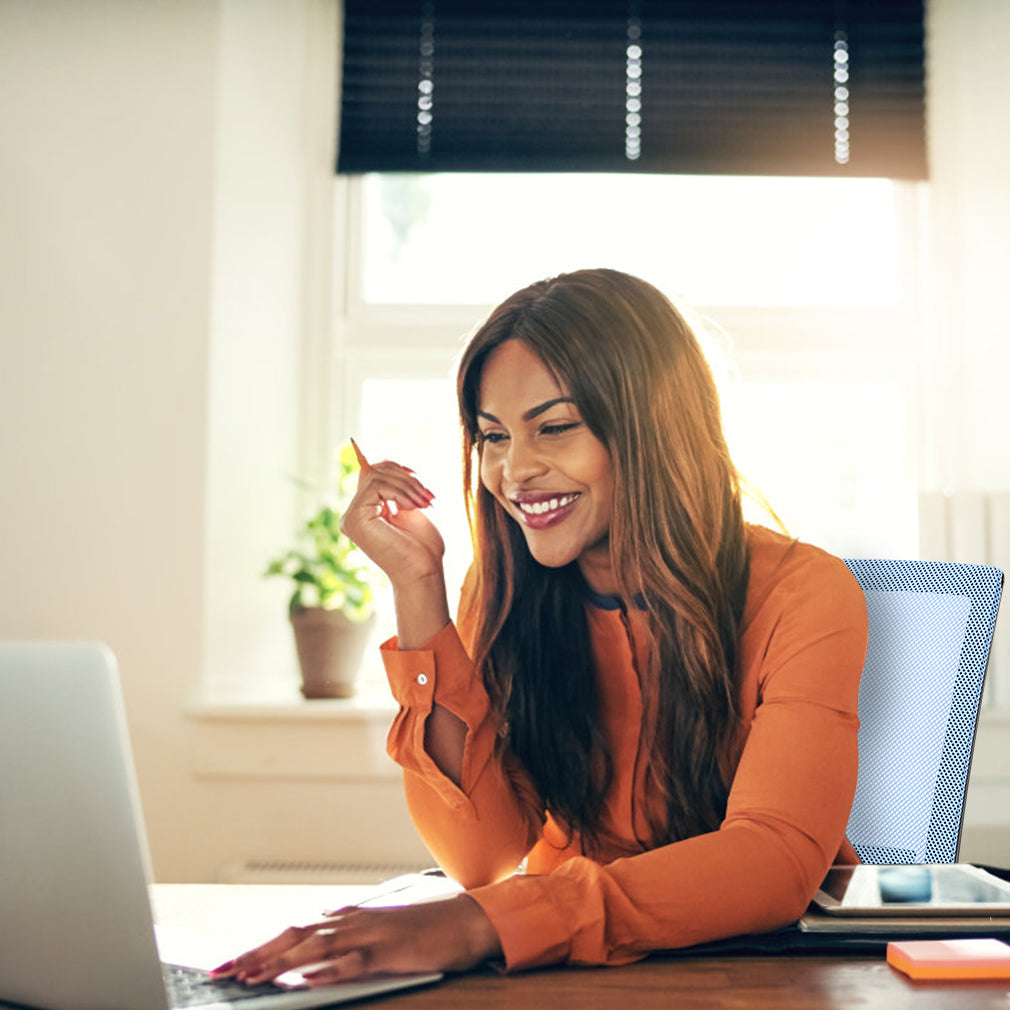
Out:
{"x": 961, "y": 958}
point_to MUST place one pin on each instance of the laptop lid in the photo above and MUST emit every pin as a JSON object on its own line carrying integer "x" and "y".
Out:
{"x": 76, "y": 929}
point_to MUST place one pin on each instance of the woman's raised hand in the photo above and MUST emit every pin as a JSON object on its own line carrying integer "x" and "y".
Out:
{"x": 384, "y": 520}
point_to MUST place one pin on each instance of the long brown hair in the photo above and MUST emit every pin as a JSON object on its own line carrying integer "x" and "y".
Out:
{"x": 677, "y": 546}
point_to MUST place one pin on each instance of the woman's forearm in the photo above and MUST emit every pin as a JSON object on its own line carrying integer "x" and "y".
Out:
{"x": 444, "y": 739}
{"x": 422, "y": 610}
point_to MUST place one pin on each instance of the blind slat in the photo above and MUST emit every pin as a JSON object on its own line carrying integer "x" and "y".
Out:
{"x": 726, "y": 86}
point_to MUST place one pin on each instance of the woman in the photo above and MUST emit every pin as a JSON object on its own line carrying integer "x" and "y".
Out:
{"x": 650, "y": 702}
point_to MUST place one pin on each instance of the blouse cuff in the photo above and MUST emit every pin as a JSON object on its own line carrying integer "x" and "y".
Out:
{"x": 531, "y": 928}
{"x": 439, "y": 671}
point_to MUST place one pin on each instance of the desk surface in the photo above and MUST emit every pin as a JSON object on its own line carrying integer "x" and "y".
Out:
{"x": 754, "y": 983}
{"x": 803, "y": 982}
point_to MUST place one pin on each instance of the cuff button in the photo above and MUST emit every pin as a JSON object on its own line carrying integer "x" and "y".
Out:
{"x": 422, "y": 679}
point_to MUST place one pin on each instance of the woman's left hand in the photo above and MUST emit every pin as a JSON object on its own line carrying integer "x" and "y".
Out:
{"x": 451, "y": 934}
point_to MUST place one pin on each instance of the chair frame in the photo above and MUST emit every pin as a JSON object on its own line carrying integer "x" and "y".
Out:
{"x": 982, "y": 584}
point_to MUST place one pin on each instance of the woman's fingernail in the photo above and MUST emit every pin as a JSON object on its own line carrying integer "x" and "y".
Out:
{"x": 318, "y": 978}
{"x": 221, "y": 968}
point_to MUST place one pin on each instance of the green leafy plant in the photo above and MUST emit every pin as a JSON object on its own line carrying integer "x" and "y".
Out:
{"x": 327, "y": 569}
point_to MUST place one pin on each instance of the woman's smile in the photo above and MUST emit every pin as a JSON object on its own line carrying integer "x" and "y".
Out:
{"x": 543, "y": 465}
{"x": 540, "y": 511}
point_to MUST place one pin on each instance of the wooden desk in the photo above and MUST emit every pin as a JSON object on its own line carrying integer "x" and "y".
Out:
{"x": 801, "y": 982}
{"x": 727, "y": 983}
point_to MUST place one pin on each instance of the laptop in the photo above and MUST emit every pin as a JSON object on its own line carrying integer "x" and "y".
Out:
{"x": 76, "y": 929}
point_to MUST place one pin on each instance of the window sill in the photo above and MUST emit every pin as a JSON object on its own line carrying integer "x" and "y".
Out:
{"x": 287, "y": 705}
{"x": 285, "y": 736}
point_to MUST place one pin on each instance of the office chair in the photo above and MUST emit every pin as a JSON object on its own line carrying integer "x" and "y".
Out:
{"x": 930, "y": 628}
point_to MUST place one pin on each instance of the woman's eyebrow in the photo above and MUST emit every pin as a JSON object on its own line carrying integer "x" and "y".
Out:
{"x": 532, "y": 412}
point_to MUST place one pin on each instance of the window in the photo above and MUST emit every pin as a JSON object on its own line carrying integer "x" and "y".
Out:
{"x": 706, "y": 240}
{"x": 802, "y": 289}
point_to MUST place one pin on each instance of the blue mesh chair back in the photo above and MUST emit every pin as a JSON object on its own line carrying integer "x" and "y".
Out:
{"x": 930, "y": 628}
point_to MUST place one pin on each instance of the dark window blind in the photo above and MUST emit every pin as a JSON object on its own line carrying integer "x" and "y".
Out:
{"x": 753, "y": 87}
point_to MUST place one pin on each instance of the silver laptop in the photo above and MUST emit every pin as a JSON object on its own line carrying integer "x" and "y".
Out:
{"x": 76, "y": 928}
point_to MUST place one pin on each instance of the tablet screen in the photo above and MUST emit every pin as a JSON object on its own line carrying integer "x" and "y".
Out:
{"x": 927, "y": 889}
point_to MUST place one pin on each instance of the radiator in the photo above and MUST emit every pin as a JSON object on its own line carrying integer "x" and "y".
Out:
{"x": 295, "y": 871}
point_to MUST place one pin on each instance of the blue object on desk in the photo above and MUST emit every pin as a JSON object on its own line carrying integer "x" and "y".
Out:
{"x": 905, "y": 884}
{"x": 930, "y": 629}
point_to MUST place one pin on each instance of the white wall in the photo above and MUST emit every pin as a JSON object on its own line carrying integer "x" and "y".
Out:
{"x": 969, "y": 151}
{"x": 165, "y": 173}
{"x": 165, "y": 207}
{"x": 966, "y": 412}
{"x": 106, "y": 172}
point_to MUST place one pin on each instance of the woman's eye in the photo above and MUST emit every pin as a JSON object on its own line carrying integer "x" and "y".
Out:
{"x": 492, "y": 437}
{"x": 559, "y": 428}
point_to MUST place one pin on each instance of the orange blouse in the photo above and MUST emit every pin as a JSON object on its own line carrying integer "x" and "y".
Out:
{"x": 802, "y": 648}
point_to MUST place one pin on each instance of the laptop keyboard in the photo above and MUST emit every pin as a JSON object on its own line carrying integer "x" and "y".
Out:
{"x": 193, "y": 987}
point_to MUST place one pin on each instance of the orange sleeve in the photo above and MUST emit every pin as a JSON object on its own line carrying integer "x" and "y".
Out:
{"x": 788, "y": 807}
{"x": 481, "y": 830}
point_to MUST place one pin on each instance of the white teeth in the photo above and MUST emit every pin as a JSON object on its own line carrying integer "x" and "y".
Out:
{"x": 539, "y": 508}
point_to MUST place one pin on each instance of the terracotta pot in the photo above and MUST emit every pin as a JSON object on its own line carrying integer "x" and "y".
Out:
{"x": 330, "y": 647}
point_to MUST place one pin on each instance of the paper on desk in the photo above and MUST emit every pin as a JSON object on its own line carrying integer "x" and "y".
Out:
{"x": 408, "y": 889}
{"x": 197, "y": 948}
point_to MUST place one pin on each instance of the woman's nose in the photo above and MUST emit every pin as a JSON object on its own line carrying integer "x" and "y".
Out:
{"x": 522, "y": 461}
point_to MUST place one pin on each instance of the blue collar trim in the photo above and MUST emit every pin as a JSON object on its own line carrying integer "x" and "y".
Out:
{"x": 603, "y": 602}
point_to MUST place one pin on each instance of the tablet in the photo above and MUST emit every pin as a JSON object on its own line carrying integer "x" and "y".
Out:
{"x": 918, "y": 889}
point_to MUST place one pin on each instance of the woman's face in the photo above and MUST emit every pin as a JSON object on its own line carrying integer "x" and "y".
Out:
{"x": 549, "y": 472}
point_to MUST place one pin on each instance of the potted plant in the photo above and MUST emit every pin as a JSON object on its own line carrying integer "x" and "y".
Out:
{"x": 331, "y": 607}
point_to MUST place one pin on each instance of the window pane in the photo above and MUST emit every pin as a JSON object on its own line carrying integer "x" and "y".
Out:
{"x": 704, "y": 240}
{"x": 831, "y": 456}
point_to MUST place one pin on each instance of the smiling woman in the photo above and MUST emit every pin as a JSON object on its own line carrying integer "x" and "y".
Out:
{"x": 645, "y": 699}
{"x": 543, "y": 465}
{"x": 657, "y": 495}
